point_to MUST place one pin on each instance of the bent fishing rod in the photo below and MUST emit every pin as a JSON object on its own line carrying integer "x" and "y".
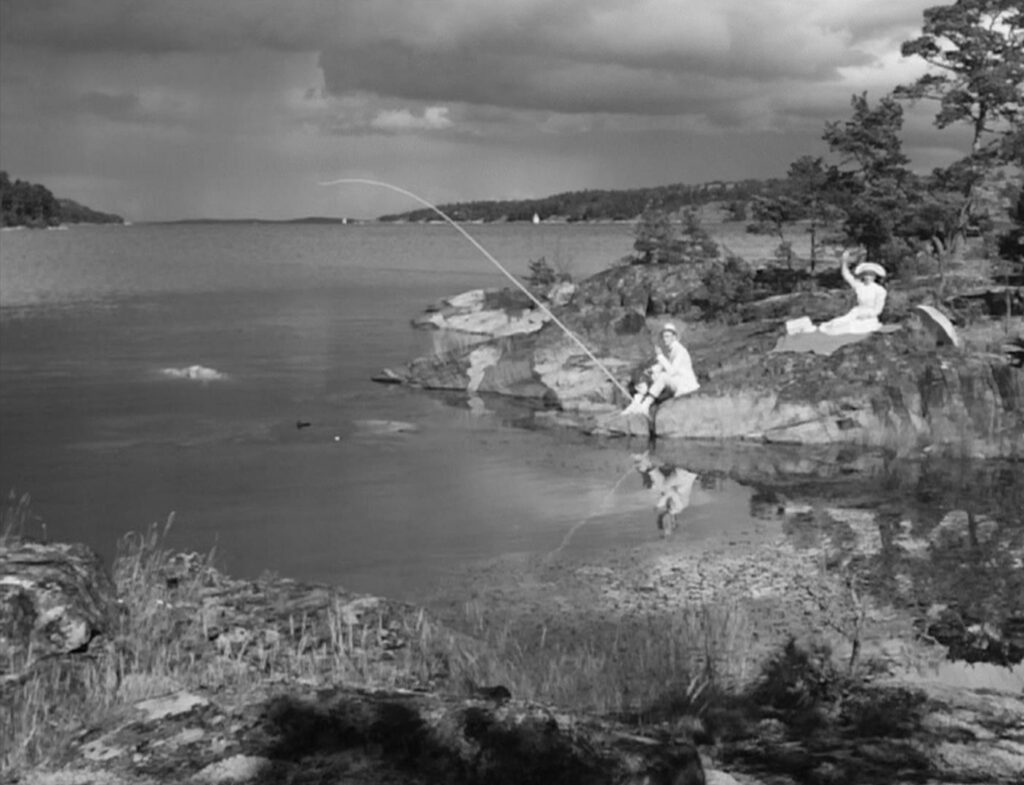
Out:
{"x": 495, "y": 262}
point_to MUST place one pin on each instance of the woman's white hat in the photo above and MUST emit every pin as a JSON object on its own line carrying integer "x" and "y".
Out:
{"x": 869, "y": 267}
{"x": 669, "y": 327}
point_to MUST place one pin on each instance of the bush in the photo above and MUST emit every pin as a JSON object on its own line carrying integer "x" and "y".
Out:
{"x": 1011, "y": 244}
{"x": 660, "y": 241}
{"x": 542, "y": 275}
{"x": 726, "y": 286}
{"x": 802, "y": 683}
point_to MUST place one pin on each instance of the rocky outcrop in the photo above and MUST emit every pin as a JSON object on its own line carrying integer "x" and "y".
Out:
{"x": 488, "y": 312}
{"x": 883, "y": 391}
{"x": 900, "y": 389}
{"x": 55, "y": 599}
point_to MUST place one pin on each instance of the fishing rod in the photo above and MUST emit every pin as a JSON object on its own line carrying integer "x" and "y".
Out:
{"x": 495, "y": 262}
{"x": 552, "y": 554}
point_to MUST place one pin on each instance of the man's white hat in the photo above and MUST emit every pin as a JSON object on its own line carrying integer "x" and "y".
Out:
{"x": 869, "y": 267}
{"x": 670, "y": 327}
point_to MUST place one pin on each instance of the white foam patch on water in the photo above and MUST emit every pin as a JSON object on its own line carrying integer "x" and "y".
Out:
{"x": 384, "y": 427}
{"x": 198, "y": 373}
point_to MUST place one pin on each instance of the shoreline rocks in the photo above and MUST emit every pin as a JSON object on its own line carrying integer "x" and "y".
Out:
{"x": 909, "y": 389}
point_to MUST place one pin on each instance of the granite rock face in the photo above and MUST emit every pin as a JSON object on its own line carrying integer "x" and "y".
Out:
{"x": 54, "y": 600}
{"x": 899, "y": 389}
{"x": 882, "y": 391}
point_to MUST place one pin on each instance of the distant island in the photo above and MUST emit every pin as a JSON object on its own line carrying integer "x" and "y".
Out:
{"x": 33, "y": 205}
{"x": 601, "y": 205}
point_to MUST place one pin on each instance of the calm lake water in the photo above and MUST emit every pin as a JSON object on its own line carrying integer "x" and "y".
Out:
{"x": 296, "y": 318}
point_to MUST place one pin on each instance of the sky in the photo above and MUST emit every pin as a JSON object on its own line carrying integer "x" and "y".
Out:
{"x": 171, "y": 109}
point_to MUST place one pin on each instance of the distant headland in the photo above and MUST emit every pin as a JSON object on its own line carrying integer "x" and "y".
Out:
{"x": 33, "y": 205}
{"x": 601, "y": 205}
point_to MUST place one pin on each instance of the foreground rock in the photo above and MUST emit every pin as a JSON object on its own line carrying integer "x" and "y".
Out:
{"x": 55, "y": 599}
{"x": 349, "y": 735}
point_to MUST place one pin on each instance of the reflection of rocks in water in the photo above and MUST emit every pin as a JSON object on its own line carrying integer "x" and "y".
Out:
{"x": 767, "y": 505}
{"x": 978, "y": 641}
{"x": 974, "y": 579}
{"x": 911, "y": 535}
{"x": 967, "y": 570}
{"x": 803, "y": 529}
{"x": 959, "y": 529}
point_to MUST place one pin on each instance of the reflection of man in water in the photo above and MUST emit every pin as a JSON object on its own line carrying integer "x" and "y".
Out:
{"x": 673, "y": 486}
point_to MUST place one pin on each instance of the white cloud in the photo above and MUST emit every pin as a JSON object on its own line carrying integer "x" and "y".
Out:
{"x": 433, "y": 118}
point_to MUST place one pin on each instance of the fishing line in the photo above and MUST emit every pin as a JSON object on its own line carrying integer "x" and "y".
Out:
{"x": 583, "y": 521}
{"x": 495, "y": 262}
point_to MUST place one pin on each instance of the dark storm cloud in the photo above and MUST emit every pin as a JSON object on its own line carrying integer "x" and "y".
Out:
{"x": 112, "y": 106}
{"x": 161, "y": 26}
{"x": 621, "y": 56}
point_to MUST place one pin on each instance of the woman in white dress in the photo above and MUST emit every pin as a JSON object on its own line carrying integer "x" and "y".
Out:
{"x": 863, "y": 317}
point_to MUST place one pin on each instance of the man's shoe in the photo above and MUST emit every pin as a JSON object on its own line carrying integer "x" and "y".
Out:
{"x": 635, "y": 404}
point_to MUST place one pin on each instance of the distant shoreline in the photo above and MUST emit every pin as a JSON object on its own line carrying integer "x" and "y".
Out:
{"x": 313, "y": 220}
{"x": 307, "y": 220}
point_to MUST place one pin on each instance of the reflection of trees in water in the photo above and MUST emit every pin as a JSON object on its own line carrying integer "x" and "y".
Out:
{"x": 962, "y": 573}
{"x": 953, "y": 549}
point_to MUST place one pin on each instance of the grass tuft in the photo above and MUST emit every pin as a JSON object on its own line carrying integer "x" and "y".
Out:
{"x": 15, "y": 517}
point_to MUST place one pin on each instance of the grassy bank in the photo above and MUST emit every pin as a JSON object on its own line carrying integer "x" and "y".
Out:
{"x": 164, "y": 638}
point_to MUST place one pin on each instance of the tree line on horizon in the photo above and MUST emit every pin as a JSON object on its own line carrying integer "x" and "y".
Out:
{"x": 33, "y": 205}
{"x": 599, "y": 204}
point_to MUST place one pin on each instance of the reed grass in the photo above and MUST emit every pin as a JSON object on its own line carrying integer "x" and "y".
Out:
{"x": 626, "y": 665}
{"x": 15, "y": 517}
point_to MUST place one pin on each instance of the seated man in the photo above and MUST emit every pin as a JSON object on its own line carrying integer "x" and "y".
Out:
{"x": 673, "y": 371}
{"x": 863, "y": 317}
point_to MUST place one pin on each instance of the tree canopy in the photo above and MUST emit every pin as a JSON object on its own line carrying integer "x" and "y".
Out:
{"x": 31, "y": 204}
{"x": 975, "y": 49}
